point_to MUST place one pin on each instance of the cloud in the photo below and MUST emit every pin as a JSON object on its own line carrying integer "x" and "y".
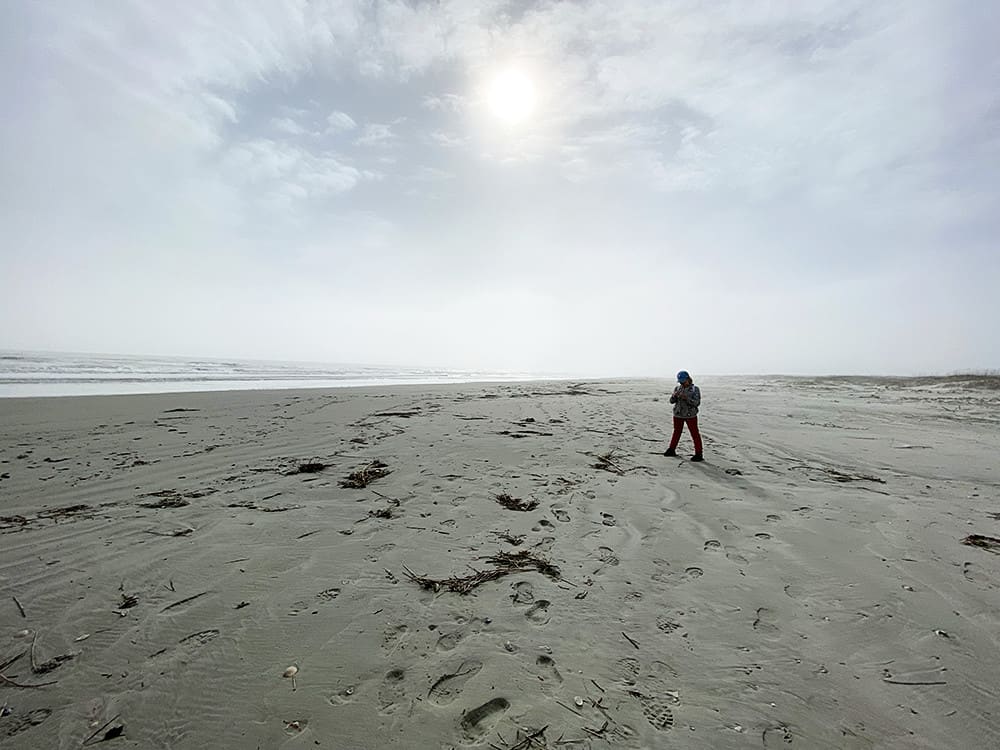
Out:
{"x": 450, "y": 103}
{"x": 288, "y": 126}
{"x": 340, "y": 122}
{"x": 376, "y": 134}
{"x": 283, "y": 172}
{"x": 448, "y": 140}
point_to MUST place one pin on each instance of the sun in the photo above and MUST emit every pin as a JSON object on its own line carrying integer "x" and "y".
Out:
{"x": 512, "y": 96}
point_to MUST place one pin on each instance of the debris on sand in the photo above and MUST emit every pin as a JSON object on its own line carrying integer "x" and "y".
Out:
{"x": 47, "y": 666}
{"x": 504, "y": 563}
{"x": 514, "y": 503}
{"x": 251, "y": 505}
{"x": 364, "y": 476}
{"x": 18, "y": 523}
{"x": 988, "y": 543}
{"x": 167, "y": 501}
{"x": 609, "y": 462}
{"x": 513, "y": 539}
{"x": 308, "y": 467}
{"x": 830, "y": 474}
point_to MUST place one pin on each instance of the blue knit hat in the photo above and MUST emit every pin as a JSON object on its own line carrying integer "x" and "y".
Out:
{"x": 682, "y": 376}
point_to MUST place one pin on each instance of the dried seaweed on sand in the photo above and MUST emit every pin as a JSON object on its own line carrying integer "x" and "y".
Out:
{"x": 364, "y": 476}
{"x": 504, "y": 564}
{"x": 308, "y": 467}
{"x": 609, "y": 462}
{"x": 514, "y": 503}
{"x": 990, "y": 543}
{"x": 505, "y": 536}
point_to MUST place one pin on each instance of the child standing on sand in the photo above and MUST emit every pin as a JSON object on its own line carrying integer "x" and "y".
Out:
{"x": 686, "y": 399}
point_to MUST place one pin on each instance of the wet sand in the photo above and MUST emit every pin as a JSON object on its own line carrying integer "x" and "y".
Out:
{"x": 163, "y": 561}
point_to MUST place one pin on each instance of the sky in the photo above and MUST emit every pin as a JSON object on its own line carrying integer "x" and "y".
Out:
{"x": 596, "y": 187}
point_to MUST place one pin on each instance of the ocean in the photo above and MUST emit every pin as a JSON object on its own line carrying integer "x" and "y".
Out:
{"x": 58, "y": 374}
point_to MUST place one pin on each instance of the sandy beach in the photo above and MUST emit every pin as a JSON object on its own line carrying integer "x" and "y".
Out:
{"x": 164, "y": 559}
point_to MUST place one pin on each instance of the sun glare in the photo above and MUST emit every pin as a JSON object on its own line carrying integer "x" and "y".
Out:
{"x": 512, "y": 96}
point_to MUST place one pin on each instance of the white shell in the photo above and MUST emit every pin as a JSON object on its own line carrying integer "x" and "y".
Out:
{"x": 578, "y": 700}
{"x": 23, "y": 633}
{"x": 291, "y": 671}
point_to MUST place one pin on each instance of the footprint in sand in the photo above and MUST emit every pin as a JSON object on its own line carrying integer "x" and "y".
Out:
{"x": 524, "y": 593}
{"x": 479, "y": 721}
{"x": 299, "y": 608}
{"x": 659, "y": 672}
{"x": 712, "y": 544}
{"x": 544, "y": 523}
{"x": 199, "y": 639}
{"x": 607, "y": 556}
{"x": 561, "y": 515}
{"x": 538, "y": 613}
{"x": 764, "y": 536}
{"x": 691, "y": 574}
{"x": 772, "y": 518}
{"x": 776, "y": 736}
{"x": 735, "y": 556}
{"x": 547, "y": 669}
{"x": 448, "y": 641}
{"x": 626, "y": 670}
{"x": 974, "y": 574}
{"x": 608, "y": 520}
{"x": 730, "y": 526}
{"x": 765, "y": 621}
{"x": 449, "y": 686}
{"x": 13, "y": 725}
{"x": 393, "y": 637}
{"x": 546, "y": 543}
{"x": 666, "y": 625}
{"x": 343, "y": 696}
{"x": 325, "y": 596}
{"x": 187, "y": 646}
{"x": 392, "y": 691}
{"x": 657, "y": 710}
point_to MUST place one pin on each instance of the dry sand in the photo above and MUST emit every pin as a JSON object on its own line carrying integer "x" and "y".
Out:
{"x": 806, "y": 586}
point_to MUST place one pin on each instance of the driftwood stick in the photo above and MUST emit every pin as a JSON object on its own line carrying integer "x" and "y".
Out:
{"x": 11, "y": 661}
{"x": 573, "y": 710}
{"x": 7, "y": 680}
{"x": 91, "y": 737}
{"x": 20, "y": 608}
{"x": 630, "y": 640}
{"x": 903, "y": 682}
{"x": 184, "y": 601}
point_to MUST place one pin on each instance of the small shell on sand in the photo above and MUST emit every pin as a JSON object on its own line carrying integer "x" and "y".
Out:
{"x": 23, "y": 633}
{"x": 291, "y": 671}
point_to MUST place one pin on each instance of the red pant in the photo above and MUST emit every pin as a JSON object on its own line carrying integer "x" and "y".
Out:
{"x": 692, "y": 424}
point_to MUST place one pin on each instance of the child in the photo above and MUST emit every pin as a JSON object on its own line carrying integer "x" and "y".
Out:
{"x": 686, "y": 399}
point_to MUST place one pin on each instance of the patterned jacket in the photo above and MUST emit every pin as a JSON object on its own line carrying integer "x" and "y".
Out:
{"x": 686, "y": 401}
